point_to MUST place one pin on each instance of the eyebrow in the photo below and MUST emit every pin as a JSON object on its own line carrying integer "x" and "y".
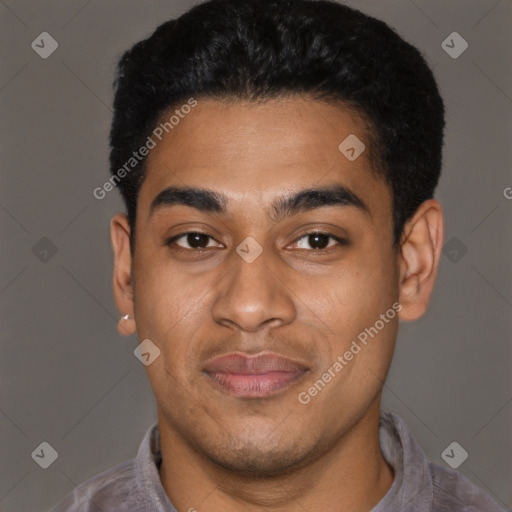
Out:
{"x": 304, "y": 200}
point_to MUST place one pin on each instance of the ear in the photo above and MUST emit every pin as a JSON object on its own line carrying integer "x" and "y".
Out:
{"x": 122, "y": 282}
{"x": 420, "y": 253}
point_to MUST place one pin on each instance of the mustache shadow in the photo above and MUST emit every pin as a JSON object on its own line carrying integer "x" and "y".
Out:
{"x": 298, "y": 348}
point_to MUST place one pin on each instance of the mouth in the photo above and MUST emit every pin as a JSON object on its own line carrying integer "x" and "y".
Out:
{"x": 253, "y": 376}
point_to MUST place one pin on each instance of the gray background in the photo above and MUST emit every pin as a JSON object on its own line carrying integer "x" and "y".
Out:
{"x": 68, "y": 378}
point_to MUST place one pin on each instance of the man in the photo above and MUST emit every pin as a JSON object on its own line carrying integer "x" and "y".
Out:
{"x": 278, "y": 161}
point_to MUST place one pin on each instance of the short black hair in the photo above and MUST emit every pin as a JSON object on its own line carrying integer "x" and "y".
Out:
{"x": 262, "y": 49}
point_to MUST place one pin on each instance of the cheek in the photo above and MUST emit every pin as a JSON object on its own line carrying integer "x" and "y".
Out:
{"x": 353, "y": 293}
{"x": 169, "y": 306}
{"x": 160, "y": 288}
{"x": 350, "y": 302}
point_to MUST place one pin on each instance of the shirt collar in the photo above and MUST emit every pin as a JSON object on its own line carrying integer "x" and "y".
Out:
{"x": 147, "y": 467}
{"x": 412, "y": 487}
{"x": 412, "y": 484}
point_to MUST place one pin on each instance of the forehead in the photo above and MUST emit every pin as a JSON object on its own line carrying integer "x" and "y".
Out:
{"x": 259, "y": 150}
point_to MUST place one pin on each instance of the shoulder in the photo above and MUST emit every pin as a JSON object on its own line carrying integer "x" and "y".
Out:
{"x": 453, "y": 492}
{"x": 112, "y": 489}
{"x": 420, "y": 484}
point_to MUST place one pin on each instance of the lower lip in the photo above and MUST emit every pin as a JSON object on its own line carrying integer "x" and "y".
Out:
{"x": 254, "y": 386}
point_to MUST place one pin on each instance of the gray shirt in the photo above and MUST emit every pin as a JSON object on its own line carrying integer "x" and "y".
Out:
{"x": 418, "y": 485}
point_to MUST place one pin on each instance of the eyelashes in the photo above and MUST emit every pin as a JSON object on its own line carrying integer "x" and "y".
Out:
{"x": 202, "y": 240}
{"x": 317, "y": 238}
{"x": 198, "y": 241}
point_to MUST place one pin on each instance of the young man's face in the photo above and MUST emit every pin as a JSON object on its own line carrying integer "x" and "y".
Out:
{"x": 304, "y": 298}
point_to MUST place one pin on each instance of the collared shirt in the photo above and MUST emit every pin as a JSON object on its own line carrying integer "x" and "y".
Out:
{"x": 418, "y": 485}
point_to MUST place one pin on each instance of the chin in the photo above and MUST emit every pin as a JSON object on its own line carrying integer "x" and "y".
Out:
{"x": 254, "y": 461}
{"x": 260, "y": 453}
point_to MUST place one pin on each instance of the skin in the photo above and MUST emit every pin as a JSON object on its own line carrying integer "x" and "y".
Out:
{"x": 227, "y": 453}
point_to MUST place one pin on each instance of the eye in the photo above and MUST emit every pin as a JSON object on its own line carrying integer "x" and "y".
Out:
{"x": 194, "y": 240}
{"x": 318, "y": 241}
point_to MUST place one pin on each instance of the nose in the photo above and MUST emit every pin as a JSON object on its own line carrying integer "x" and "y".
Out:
{"x": 253, "y": 296}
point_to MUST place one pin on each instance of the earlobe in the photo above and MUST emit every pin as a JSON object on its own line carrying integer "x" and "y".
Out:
{"x": 122, "y": 281}
{"x": 420, "y": 254}
{"x": 126, "y": 325}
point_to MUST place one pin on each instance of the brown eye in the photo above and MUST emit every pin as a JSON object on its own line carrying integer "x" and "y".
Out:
{"x": 194, "y": 240}
{"x": 318, "y": 241}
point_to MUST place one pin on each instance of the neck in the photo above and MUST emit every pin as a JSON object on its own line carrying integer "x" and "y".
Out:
{"x": 353, "y": 474}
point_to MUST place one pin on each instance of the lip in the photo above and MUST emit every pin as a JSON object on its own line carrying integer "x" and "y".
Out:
{"x": 253, "y": 376}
